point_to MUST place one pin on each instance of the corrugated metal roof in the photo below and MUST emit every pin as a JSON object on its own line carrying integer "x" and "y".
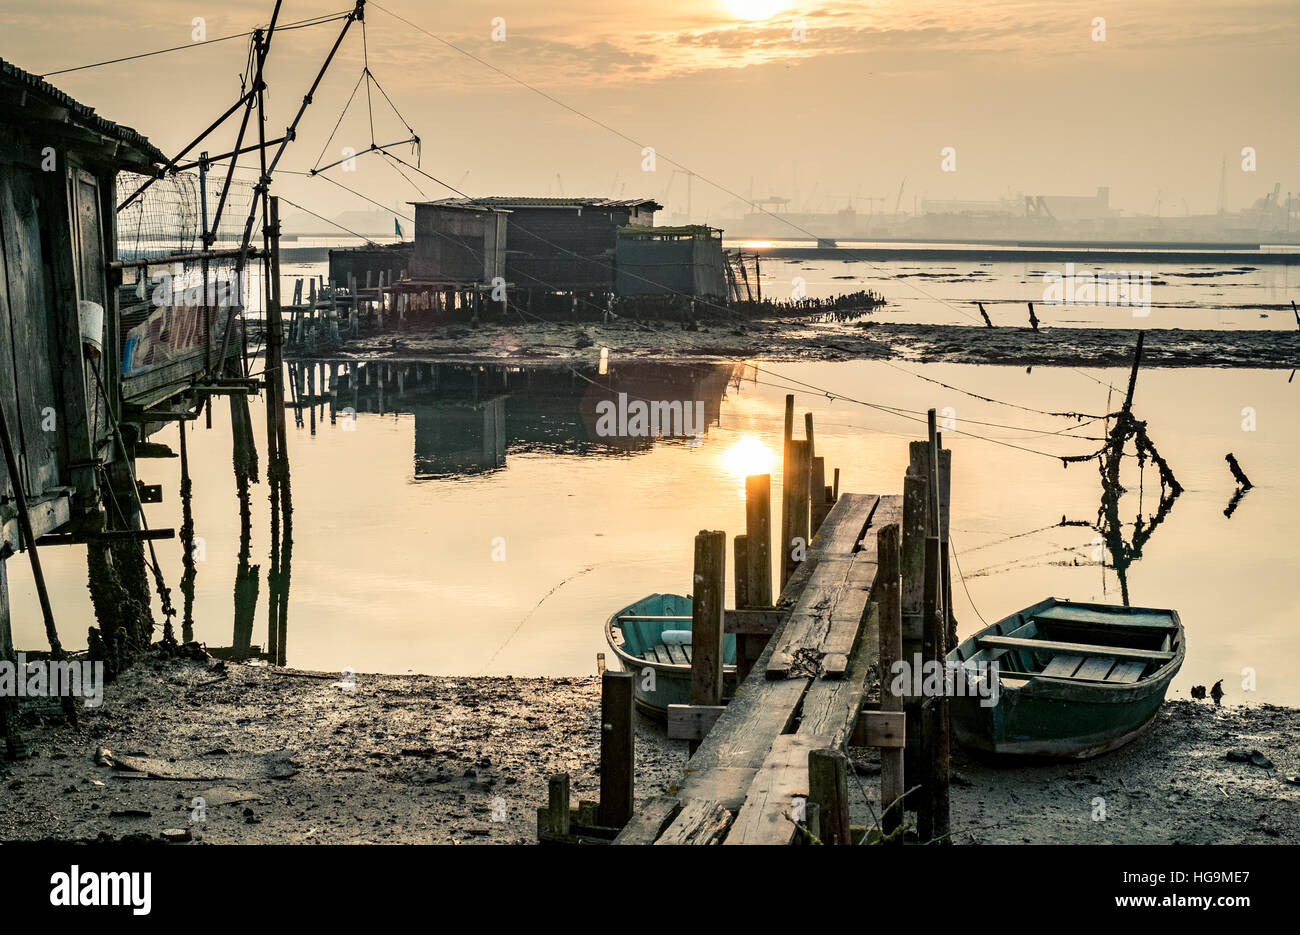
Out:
{"x": 85, "y": 115}
{"x": 527, "y": 201}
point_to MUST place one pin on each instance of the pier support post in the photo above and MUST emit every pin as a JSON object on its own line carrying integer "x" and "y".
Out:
{"x": 758, "y": 538}
{"x": 707, "y": 618}
{"x": 617, "y": 749}
{"x": 787, "y": 503}
{"x": 911, "y": 598}
{"x": 888, "y": 595}
{"x": 740, "y": 562}
{"x": 797, "y": 471}
{"x": 818, "y": 504}
{"x": 828, "y": 788}
{"x": 932, "y": 818}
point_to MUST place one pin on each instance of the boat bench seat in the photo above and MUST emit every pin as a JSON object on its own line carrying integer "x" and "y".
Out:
{"x": 1120, "y": 653}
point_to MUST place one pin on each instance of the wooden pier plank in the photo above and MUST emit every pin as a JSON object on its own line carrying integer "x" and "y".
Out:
{"x": 699, "y": 822}
{"x": 822, "y": 589}
{"x": 726, "y": 765}
{"x": 767, "y": 815}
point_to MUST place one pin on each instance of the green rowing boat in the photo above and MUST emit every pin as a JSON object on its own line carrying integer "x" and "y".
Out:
{"x": 1073, "y": 679}
{"x": 652, "y": 639}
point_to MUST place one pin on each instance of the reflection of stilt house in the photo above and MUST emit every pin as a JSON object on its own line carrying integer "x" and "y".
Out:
{"x": 469, "y": 417}
{"x": 60, "y": 351}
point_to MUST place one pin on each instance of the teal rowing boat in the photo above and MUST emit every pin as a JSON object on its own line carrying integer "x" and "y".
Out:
{"x": 652, "y": 639}
{"x": 1074, "y": 680}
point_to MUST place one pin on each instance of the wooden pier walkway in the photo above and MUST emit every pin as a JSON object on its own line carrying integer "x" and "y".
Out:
{"x": 805, "y": 692}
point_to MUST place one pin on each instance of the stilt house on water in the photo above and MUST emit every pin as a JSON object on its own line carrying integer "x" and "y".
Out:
{"x": 82, "y": 379}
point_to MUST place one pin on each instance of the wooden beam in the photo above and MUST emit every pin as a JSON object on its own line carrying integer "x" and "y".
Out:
{"x": 692, "y": 722}
{"x": 886, "y": 730}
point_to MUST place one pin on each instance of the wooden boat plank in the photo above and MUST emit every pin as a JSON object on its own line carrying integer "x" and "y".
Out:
{"x": 675, "y": 653}
{"x": 1073, "y": 613}
{"x": 1095, "y": 668}
{"x": 1063, "y": 665}
{"x": 689, "y": 650}
{"x": 1046, "y": 646}
{"x": 1126, "y": 672}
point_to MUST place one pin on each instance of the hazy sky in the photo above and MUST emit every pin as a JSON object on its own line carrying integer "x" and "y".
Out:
{"x": 867, "y": 99}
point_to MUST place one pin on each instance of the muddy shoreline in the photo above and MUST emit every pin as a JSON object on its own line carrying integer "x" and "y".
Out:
{"x": 787, "y": 339}
{"x": 282, "y": 756}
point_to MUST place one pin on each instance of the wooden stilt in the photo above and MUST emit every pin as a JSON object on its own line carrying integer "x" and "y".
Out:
{"x": 617, "y": 749}
{"x": 707, "y": 619}
{"x": 888, "y": 595}
{"x": 828, "y": 788}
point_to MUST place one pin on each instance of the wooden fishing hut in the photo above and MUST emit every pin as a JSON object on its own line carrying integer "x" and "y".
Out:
{"x": 76, "y": 391}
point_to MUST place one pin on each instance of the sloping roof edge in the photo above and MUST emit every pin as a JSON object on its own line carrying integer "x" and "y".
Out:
{"x": 83, "y": 114}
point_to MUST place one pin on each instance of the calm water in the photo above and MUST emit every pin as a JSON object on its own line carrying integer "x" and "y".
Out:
{"x": 401, "y": 514}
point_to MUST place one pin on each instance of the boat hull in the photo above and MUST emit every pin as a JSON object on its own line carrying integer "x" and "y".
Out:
{"x": 658, "y": 685}
{"x": 1060, "y": 718}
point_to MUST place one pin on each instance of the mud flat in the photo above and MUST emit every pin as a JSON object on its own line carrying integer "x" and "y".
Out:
{"x": 805, "y": 339}
{"x": 280, "y": 756}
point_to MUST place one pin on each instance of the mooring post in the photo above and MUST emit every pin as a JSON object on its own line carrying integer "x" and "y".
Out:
{"x": 932, "y": 824}
{"x": 912, "y": 594}
{"x": 617, "y": 749}
{"x": 787, "y": 500}
{"x": 758, "y": 538}
{"x": 707, "y": 613}
{"x": 945, "y": 494}
{"x": 888, "y": 595}
{"x": 800, "y": 470}
{"x": 818, "y": 507}
{"x": 835, "y": 488}
{"x": 559, "y": 804}
{"x": 740, "y": 563}
{"x": 828, "y": 787}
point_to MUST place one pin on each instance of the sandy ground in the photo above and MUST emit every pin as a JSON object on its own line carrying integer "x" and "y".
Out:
{"x": 286, "y": 757}
{"x": 807, "y": 339}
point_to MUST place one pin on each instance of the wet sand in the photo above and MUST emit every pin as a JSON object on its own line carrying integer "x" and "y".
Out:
{"x": 806, "y": 339}
{"x": 291, "y": 757}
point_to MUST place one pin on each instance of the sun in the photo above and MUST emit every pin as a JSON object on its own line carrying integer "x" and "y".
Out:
{"x": 755, "y": 10}
{"x": 748, "y": 455}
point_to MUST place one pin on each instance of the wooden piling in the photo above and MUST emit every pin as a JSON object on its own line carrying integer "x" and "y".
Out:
{"x": 740, "y": 563}
{"x": 828, "y": 788}
{"x": 707, "y": 618}
{"x": 817, "y": 505}
{"x": 787, "y": 505}
{"x": 798, "y": 469}
{"x": 933, "y": 819}
{"x": 911, "y": 600}
{"x": 888, "y": 594}
{"x": 559, "y": 804}
{"x": 617, "y": 749}
{"x": 758, "y": 538}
